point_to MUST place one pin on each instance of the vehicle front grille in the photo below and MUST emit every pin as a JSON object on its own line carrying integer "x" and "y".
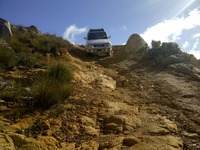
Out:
{"x": 98, "y": 45}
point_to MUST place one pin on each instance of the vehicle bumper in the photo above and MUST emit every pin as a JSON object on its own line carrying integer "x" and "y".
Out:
{"x": 102, "y": 51}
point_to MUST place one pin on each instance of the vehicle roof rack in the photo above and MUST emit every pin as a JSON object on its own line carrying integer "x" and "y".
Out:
{"x": 100, "y": 29}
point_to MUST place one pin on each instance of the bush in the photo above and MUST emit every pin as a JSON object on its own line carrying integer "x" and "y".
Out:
{"x": 53, "y": 86}
{"x": 18, "y": 46}
{"x": 60, "y": 72}
{"x": 169, "y": 53}
{"x": 10, "y": 90}
{"x": 160, "y": 53}
{"x": 7, "y": 56}
{"x": 31, "y": 60}
{"x": 42, "y": 44}
{"x": 31, "y": 47}
{"x": 48, "y": 43}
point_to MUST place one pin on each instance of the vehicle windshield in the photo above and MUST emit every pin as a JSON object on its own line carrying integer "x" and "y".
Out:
{"x": 97, "y": 35}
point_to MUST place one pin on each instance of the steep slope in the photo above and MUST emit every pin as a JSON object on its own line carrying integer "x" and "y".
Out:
{"x": 102, "y": 113}
{"x": 117, "y": 103}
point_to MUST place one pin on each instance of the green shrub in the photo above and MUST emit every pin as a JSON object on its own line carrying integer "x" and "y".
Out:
{"x": 60, "y": 72}
{"x": 31, "y": 60}
{"x": 7, "y": 56}
{"x": 24, "y": 40}
{"x": 18, "y": 46}
{"x": 30, "y": 47}
{"x": 42, "y": 44}
{"x": 53, "y": 86}
{"x": 48, "y": 43}
{"x": 169, "y": 53}
{"x": 11, "y": 91}
{"x": 37, "y": 60}
{"x": 160, "y": 53}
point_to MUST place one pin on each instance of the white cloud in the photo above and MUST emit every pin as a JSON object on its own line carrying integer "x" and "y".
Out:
{"x": 124, "y": 28}
{"x": 196, "y": 53}
{"x": 197, "y": 35}
{"x": 186, "y": 45}
{"x": 72, "y": 32}
{"x": 171, "y": 30}
{"x": 195, "y": 44}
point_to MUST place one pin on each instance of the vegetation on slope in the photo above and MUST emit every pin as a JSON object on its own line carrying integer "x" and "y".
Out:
{"x": 29, "y": 49}
{"x": 53, "y": 86}
{"x": 168, "y": 53}
{"x": 7, "y": 56}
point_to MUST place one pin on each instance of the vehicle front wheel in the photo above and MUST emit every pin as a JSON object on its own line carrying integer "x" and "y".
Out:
{"x": 110, "y": 53}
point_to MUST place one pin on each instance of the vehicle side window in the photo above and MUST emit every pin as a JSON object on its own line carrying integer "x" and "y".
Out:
{"x": 104, "y": 36}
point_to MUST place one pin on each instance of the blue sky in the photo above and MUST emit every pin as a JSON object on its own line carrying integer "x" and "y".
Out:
{"x": 164, "y": 20}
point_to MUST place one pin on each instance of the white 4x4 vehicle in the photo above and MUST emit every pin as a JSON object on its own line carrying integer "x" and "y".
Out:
{"x": 97, "y": 42}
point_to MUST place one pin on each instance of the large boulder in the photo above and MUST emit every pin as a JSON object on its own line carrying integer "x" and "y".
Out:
{"x": 5, "y": 30}
{"x": 136, "y": 45}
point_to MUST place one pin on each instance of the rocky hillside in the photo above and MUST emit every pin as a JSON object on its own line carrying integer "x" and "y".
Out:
{"x": 124, "y": 102}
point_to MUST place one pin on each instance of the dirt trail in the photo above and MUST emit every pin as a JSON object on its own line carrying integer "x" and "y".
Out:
{"x": 168, "y": 103}
{"x": 116, "y": 104}
{"x": 163, "y": 92}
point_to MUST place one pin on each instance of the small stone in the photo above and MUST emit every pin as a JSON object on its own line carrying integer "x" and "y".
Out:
{"x": 113, "y": 127}
{"x": 2, "y": 102}
{"x": 128, "y": 129}
{"x": 90, "y": 130}
{"x": 68, "y": 145}
{"x": 90, "y": 145}
{"x": 157, "y": 130}
{"x": 190, "y": 135}
{"x": 169, "y": 125}
{"x": 56, "y": 122}
{"x": 115, "y": 119}
{"x": 17, "y": 139}
{"x": 45, "y": 125}
{"x": 111, "y": 143}
{"x": 130, "y": 141}
{"x": 87, "y": 121}
{"x": 46, "y": 133}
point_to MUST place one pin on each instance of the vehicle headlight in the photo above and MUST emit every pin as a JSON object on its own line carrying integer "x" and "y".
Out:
{"x": 89, "y": 46}
{"x": 108, "y": 45}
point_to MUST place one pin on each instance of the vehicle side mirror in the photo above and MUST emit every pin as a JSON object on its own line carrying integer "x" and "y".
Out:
{"x": 109, "y": 37}
{"x": 85, "y": 38}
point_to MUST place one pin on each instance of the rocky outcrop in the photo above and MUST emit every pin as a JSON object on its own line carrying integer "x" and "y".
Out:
{"x": 5, "y": 30}
{"x": 105, "y": 83}
{"x": 6, "y": 142}
{"x": 136, "y": 45}
{"x": 33, "y": 29}
{"x": 187, "y": 69}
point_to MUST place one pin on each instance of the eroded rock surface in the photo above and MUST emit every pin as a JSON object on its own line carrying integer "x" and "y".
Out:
{"x": 5, "y": 30}
{"x": 122, "y": 106}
